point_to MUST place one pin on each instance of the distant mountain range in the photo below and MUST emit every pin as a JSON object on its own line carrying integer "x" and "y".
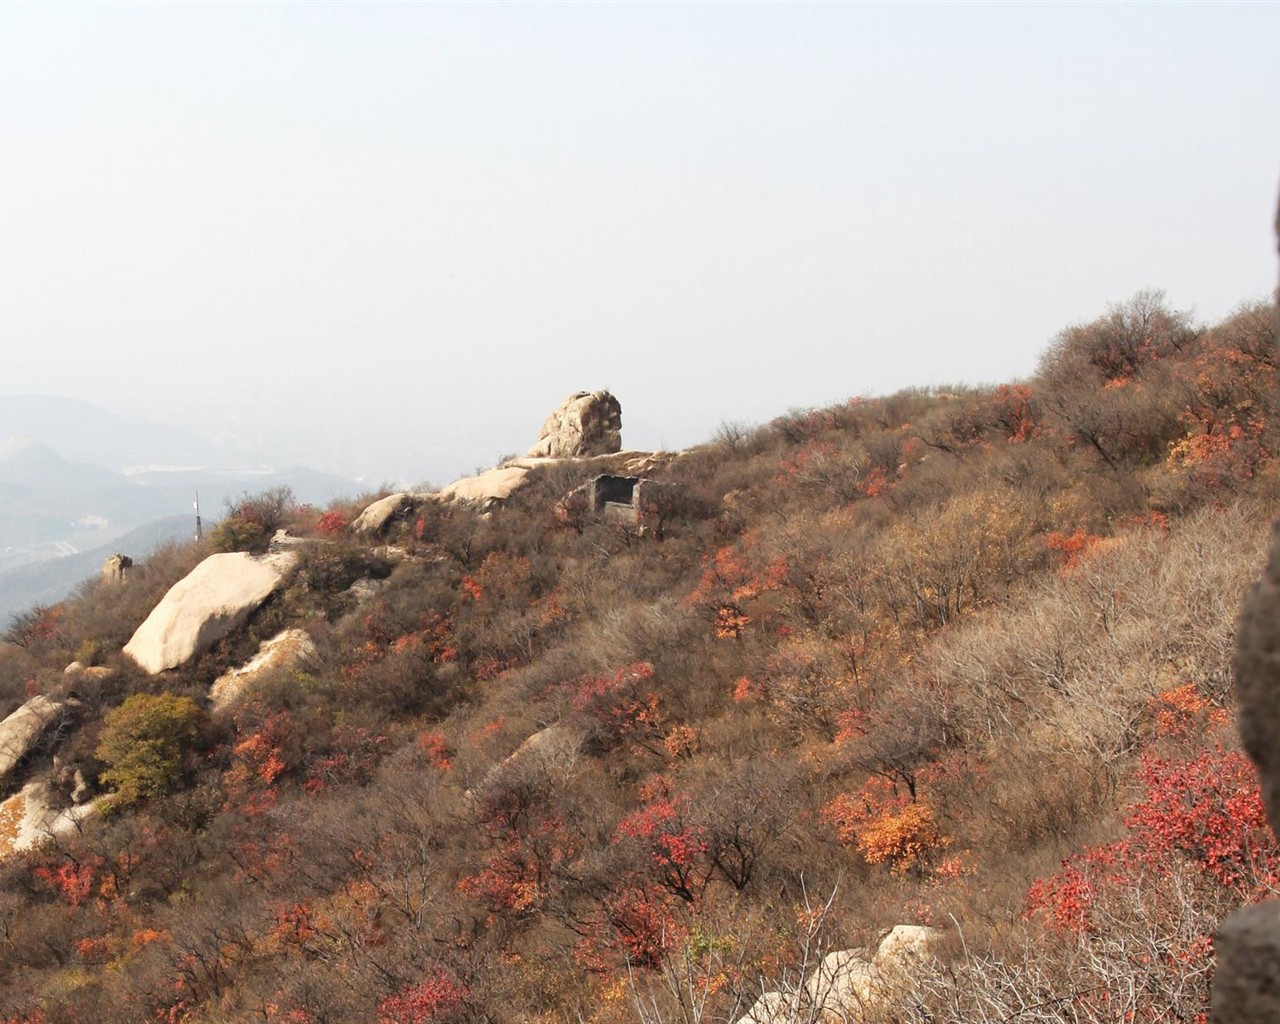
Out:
{"x": 77, "y": 482}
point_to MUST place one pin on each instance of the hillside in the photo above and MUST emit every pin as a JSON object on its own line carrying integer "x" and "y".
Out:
{"x": 956, "y": 660}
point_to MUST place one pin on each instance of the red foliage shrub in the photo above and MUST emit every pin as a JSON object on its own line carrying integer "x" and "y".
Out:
{"x": 676, "y": 845}
{"x": 1206, "y": 809}
{"x": 437, "y": 998}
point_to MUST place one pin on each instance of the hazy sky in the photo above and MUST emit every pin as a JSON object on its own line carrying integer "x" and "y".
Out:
{"x": 388, "y": 239}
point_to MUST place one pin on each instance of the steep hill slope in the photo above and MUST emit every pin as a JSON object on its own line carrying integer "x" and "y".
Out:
{"x": 614, "y": 751}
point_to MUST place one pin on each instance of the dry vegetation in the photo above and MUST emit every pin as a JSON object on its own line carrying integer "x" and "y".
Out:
{"x": 959, "y": 659}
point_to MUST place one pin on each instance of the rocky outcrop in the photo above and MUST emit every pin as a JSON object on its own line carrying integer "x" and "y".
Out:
{"x": 22, "y": 730}
{"x": 1246, "y": 983}
{"x": 32, "y": 814}
{"x": 586, "y": 423}
{"x": 116, "y": 567}
{"x": 630, "y": 463}
{"x": 552, "y": 751}
{"x": 211, "y": 601}
{"x": 366, "y": 589}
{"x": 489, "y": 488}
{"x": 377, "y": 517}
{"x": 283, "y": 540}
{"x": 847, "y": 983}
{"x": 286, "y": 649}
{"x": 95, "y": 672}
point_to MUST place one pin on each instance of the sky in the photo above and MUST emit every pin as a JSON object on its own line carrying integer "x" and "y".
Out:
{"x": 387, "y": 239}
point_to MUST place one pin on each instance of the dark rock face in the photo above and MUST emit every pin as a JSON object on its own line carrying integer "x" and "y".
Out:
{"x": 1246, "y": 985}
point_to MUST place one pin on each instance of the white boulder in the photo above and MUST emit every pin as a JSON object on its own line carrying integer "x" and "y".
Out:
{"x": 492, "y": 486}
{"x": 376, "y": 517}
{"x": 284, "y": 650}
{"x": 211, "y": 601}
{"x": 847, "y": 983}
{"x": 20, "y": 731}
{"x": 29, "y": 816}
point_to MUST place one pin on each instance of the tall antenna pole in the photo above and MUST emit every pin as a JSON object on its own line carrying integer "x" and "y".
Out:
{"x": 199, "y": 525}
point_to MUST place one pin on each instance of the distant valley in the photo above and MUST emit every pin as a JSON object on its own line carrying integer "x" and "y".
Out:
{"x": 77, "y": 482}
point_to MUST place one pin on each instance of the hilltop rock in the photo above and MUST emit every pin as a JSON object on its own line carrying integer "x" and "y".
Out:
{"x": 629, "y": 463}
{"x": 115, "y": 568}
{"x": 30, "y": 815}
{"x": 211, "y": 601}
{"x": 586, "y": 423}
{"x": 376, "y": 518}
{"x": 21, "y": 731}
{"x": 284, "y": 650}
{"x": 493, "y": 486}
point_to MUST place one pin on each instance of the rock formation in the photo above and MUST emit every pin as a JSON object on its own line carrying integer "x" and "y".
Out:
{"x": 116, "y": 567}
{"x": 378, "y": 516}
{"x": 284, "y": 650}
{"x": 586, "y": 423}
{"x": 216, "y": 597}
{"x": 31, "y": 814}
{"x": 21, "y": 731}
{"x": 847, "y": 983}
{"x": 1246, "y": 984}
{"x": 488, "y": 488}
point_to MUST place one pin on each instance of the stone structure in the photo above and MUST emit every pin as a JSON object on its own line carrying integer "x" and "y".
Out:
{"x": 634, "y": 501}
{"x": 586, "y": 423}
{"x": 116, "y": 567}
{"x": 211, "y": 601}
{"x": 1246, "y": 982}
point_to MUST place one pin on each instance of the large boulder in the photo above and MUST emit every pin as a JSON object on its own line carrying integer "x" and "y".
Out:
{"x": 848, "y": 983}
{"x": 284, "y": 650}
{"x": 844, "y": 979}
{"x": 378, "y": 516}
{"x": 488, "y": 488}
{"x": 32, "y": 814}
{"x": 21, "y": 731}
{"x": 586, "y": 423}
{"x": 210, "y": 602}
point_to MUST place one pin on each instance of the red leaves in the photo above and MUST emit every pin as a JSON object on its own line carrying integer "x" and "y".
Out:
{"x": 887, "y": 827}
{"x": 331, "y": 523}
{"x": 70, "y": 880}
{"x": 517, "y": 873}
{"x": 434, "y": 749}
{"x": 736, "y": 576}
{"x": 637, "y": 925}
{"x": 675, "y": 845}
{"x": 1206, "y": 809}
{"x": 431, "y": 1000}
{"x": 1182, "y": 712}
{"x": 1073, "y": 547}
{"x": 1010, "y": 409}
{"x": 261, "y": 754}
{"x": 354, "y": 759}
{"x": 619, "y": 705}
